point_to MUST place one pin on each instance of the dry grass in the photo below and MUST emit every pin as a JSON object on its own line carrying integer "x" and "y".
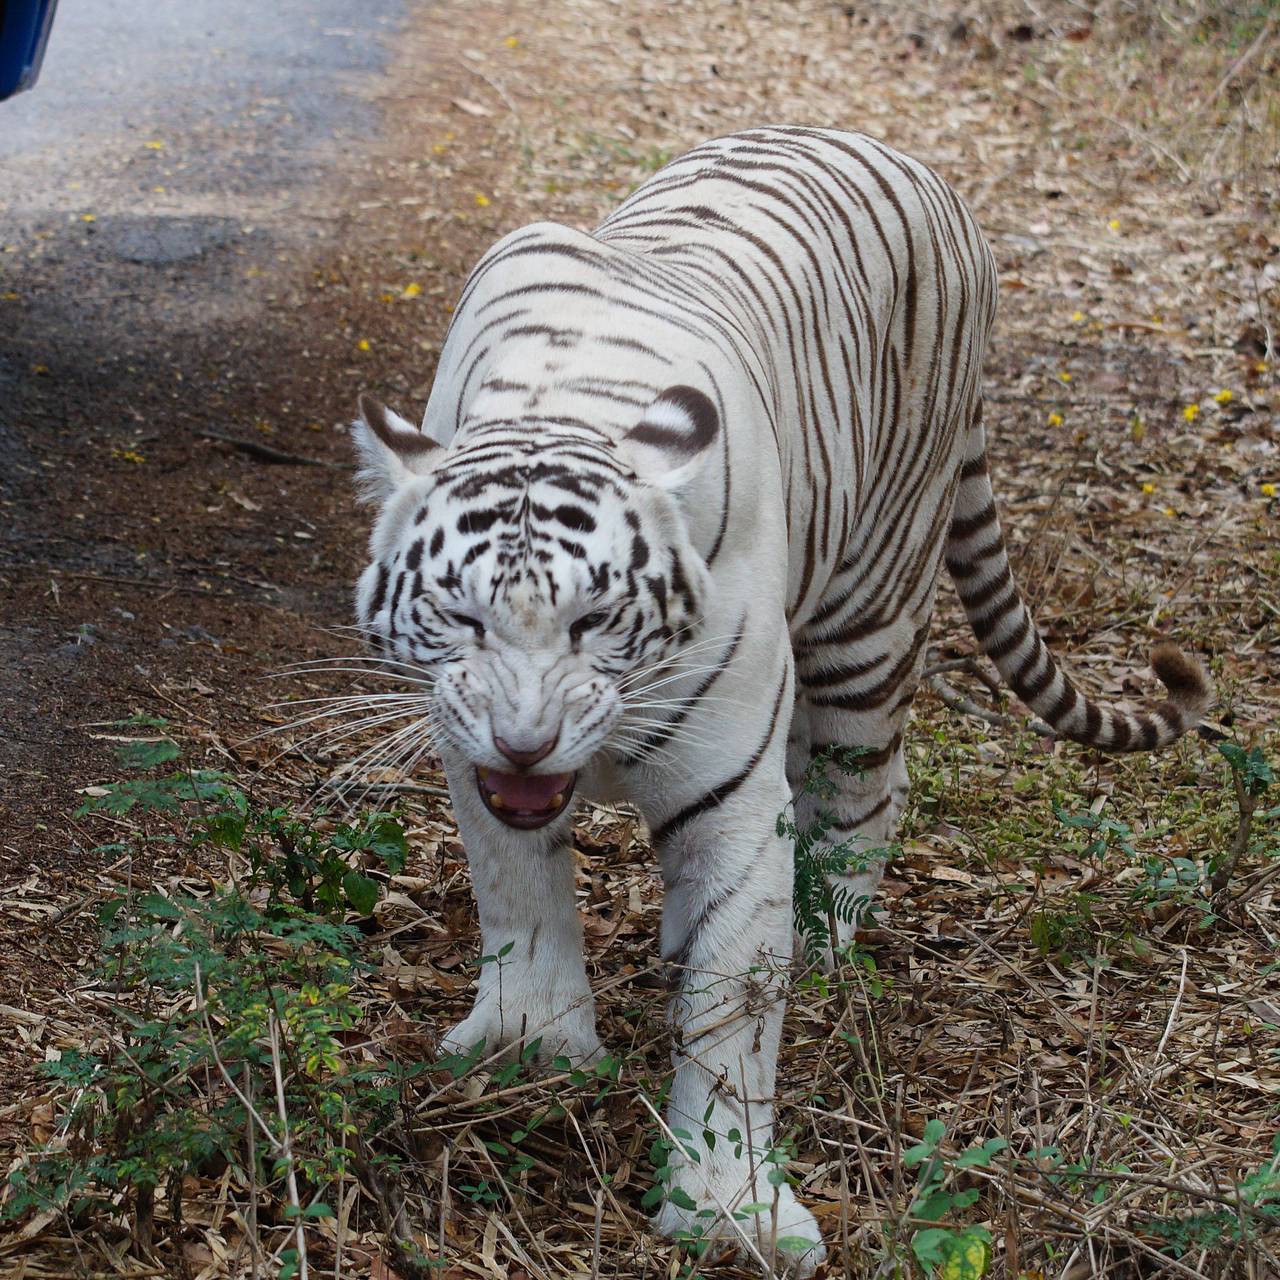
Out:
{"x": 1123, "y": 160}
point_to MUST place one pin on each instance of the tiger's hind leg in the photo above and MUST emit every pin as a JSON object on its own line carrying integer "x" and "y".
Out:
{"x": 856, "y": 697}
{"x": 799, "y": 738}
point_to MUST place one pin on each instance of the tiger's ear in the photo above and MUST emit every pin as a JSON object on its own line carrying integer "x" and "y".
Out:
{"x": 674, "y": 439}
{"x": 391, "y": 450}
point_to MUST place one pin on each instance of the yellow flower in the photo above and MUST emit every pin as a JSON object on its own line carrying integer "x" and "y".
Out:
{"x": 1065, "y": 376}
{"x": 128, "y": 455}
{"x": 1077, "y": 317}
{"x": 1268, "y": 490}
{"x": 1055, "y": 419}
{"x": 158, "y": 190}
{"x": 1224, "y": 396}
{"x": 363, "y": 344}
{"x": 1261, "y": 367}
{"x": 482, "y": 200}
{"x": 386, "y": 297}
{"x": 154, "y": 145}
{"x": 1148, "y": 487}
{"x": 1114, "y": 224}
{"x": 411, "y": 290}
{"x": 1170, "y": 512}
{"x": 88, "y": 217}
{"x": 1191, "y": 412}
{"x": 511, "y": 42}
{"x": 439, "y": 148}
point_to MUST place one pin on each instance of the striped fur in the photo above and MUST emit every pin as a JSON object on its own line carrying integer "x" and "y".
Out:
{"x": 675, "y": 520}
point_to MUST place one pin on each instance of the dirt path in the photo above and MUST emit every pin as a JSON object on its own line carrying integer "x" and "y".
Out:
{"x": 173, "y": 195}
{"x": 166, "y": 203}
{"x": 151, "y": 568}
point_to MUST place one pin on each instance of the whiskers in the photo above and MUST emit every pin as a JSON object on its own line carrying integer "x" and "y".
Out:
{"x": 404, "y": 720}
{"x": 645, "y": 732}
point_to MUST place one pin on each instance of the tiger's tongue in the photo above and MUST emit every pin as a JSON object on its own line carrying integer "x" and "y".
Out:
{"x": 532, "y": 791}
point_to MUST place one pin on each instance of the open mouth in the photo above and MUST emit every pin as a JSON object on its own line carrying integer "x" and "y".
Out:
{"x": 525, "y": 800}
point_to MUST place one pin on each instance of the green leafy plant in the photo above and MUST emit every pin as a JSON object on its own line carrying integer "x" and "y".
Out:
{"x": 1166, "y": 877}
{"x": 819, "y": 901}
{"x": 954, "y": 1251}
{"x": 1099, "y": 835}
{"x": 1251, "y": 777}
{"x": 238, "y": 1025}
{"x": 225, "y": 1045}
{"x": 1256, "y": 1211}
{"x": 309, "y": 862}
{"x": 1065, "y": 930}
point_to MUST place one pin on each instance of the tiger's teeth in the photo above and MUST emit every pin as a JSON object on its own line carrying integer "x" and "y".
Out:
{"x": 557, "y": 800}
{"x": 496, "y": 800}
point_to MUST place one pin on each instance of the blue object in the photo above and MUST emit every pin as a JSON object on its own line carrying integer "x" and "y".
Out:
{"x": 24, "y": 33}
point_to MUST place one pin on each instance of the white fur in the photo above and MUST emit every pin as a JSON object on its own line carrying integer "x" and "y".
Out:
{"x": 795, "y": 431}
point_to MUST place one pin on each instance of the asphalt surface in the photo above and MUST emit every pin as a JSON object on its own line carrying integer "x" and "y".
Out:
{"x": 172, "y": 194}
{"x": 159, "y": 133}
{"x": 268, "y": 89}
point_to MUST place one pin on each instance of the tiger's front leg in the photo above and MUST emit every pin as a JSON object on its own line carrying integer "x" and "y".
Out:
{"x": 726, "y": 935}
{"x": 535, "y": 987}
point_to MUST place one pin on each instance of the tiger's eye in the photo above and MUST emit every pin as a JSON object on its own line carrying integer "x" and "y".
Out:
{"x": 465, "y": 620}
{"x": 588, "y": 623}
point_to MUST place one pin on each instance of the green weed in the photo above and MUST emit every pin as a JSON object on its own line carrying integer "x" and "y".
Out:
{"x": 819, "y": 901}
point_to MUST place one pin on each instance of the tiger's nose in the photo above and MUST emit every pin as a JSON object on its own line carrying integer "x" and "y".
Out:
{"x": 526, "y": 758}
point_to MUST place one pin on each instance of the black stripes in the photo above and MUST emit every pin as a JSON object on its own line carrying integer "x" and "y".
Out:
{"x": 980, "y": 597}
{"x": 969, "y": 525}
{"x": 379, "y": 592}
{"x": 859, "y": 820}
{"x": 1016, "y": 636}
{"x": 720, "y": 793}
{"x": 1008, "y": 636}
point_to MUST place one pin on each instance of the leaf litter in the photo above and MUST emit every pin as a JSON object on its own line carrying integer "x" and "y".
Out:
{"x": 1031, "y": 979}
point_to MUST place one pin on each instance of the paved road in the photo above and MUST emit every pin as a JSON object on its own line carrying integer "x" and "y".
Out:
{"x": 170, "y": 193}
{"x": 253, "y": 91}
{"x": 173, "y": 135}
{"x": 165, "y": 148}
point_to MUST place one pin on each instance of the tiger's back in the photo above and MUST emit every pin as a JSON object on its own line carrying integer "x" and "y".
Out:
{"x": 834, "y": 295}
{"x": 864, "y": 293}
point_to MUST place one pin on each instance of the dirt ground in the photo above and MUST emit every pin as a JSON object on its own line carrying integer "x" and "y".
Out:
{"x": 178, "y": 526}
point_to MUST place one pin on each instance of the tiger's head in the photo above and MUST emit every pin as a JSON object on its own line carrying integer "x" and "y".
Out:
{"x": 542, "y": 580}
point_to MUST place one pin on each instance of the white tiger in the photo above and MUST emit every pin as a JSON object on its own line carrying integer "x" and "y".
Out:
{"x": 672, "y": 527}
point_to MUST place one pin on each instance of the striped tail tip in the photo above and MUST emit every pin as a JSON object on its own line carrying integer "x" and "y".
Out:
{"x": 1190, "y": 690}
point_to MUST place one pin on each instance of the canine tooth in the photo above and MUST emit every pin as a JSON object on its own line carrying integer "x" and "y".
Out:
{"x": 557, "y": 800}
{"x": 496, "y": 800}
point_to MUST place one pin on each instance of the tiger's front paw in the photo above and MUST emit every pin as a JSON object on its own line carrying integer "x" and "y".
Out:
{"x": 569, "y": 1031}
{"x": 789, "y": 1241}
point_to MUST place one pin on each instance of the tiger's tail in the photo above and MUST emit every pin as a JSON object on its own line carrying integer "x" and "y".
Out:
{"x": 979, "y": 566}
